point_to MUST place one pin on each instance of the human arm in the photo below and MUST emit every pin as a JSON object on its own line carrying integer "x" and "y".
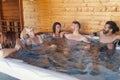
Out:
{"x": 7, "y": 51}
{"x": 64, "y": 33}
{"x": 87, "y": 47}
{"x": 95, "y": 34}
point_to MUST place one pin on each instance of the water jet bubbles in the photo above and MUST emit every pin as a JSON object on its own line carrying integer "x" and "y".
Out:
{"x": 119, "y": 71}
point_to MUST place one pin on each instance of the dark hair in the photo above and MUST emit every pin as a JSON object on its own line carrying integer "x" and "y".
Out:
{"x": 113, "y": 26}
{"x": 8, "y": 39}
{"x": 76, "y": 22}
{"x": 54, "y": 26}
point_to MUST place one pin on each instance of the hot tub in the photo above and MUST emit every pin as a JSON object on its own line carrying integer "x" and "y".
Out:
{"x": 20, "y": 70}
{"x": 64, "y": 58}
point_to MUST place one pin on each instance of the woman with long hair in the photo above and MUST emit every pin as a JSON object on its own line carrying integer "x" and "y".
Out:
{"x": 57, "y": 31}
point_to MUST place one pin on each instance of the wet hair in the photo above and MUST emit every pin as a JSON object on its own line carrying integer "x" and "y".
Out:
{"x": 113, "y": 26}
{"x": 54, "y": 26}
{"x": 8, "y": 39}
{"x": 76, "y": 22}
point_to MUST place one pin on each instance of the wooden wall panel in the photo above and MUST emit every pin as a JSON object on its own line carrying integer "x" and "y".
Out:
{"x": 92, "y": 14}
{"x": 0, "y": 9}
{"x": 11, "y": 15}
{"x": 10, "y": 9}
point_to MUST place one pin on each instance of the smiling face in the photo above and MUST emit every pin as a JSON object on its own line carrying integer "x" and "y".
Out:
{"x": 58, "y": 28}
{"x": 106, "y": 29}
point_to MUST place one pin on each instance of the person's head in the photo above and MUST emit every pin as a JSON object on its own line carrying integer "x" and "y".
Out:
{"x": 75, "y": 26}
{"x": 56, "y": 27}
{"x": 8, "y": 39}
{"x": 110, "y": 27}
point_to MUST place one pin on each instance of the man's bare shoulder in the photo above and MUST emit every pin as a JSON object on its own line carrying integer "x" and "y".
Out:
{"x": 117, "y": 37}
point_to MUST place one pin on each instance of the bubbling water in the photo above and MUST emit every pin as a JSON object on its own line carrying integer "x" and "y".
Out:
{"x": 69, "y": 56}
